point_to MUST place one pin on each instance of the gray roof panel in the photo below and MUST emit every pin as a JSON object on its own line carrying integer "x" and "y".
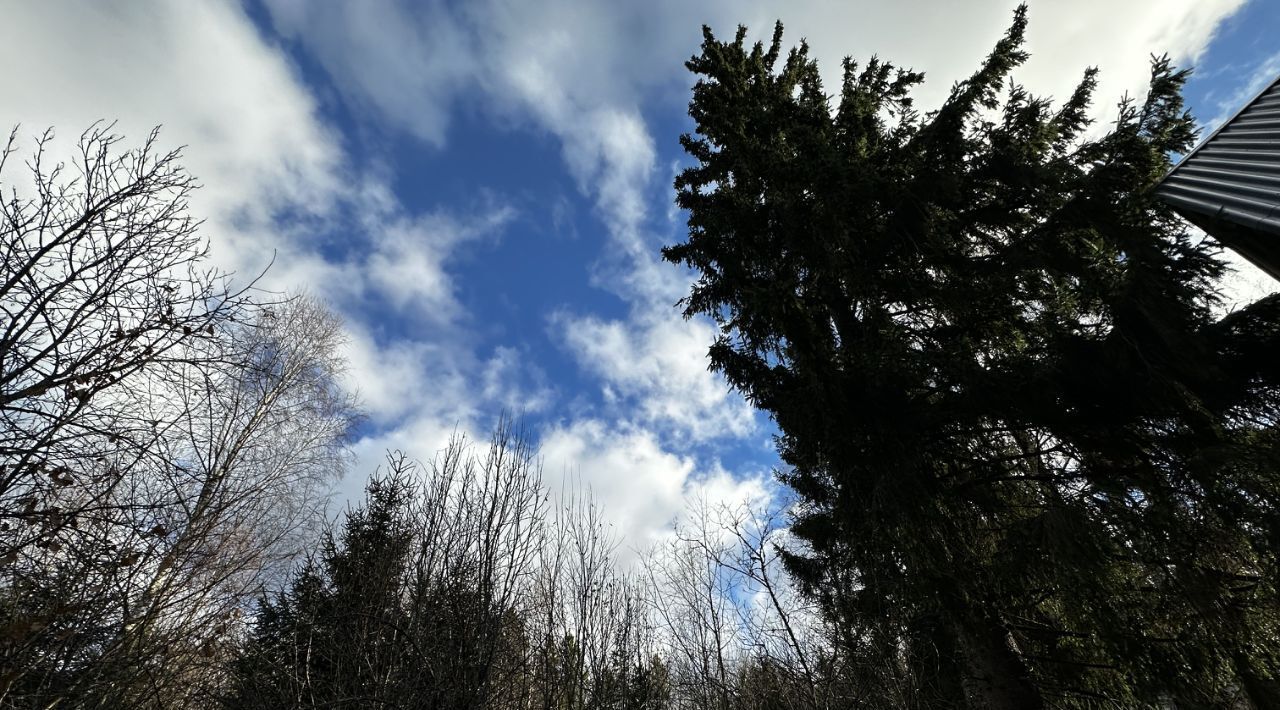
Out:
{"x": 1230, "y": 184}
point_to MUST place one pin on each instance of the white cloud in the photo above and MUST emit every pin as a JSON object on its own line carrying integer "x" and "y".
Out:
{"x": 410, "y": 66}
{"x": 417, "y": 387}
{"x": 641, "y": 487}
{"x": 199, "y": 68}
{"x": 420, "y": 394}
{"x": 1262, "y": 74}
{"x": 1245, "y": 283}
{"x": 656, "y": 365}
{"x": 398, "y": 379}
{"x": 726, "y": 497}
{"x": 500, "y": 383}
{"x": 408, "y": 260}
{"x": 278, "y": 183}
{"x": 420, "y": 437}
{"x": 561, "y": 61}
{"x": 580, "y": 70}
{"x": 638, "y": 484}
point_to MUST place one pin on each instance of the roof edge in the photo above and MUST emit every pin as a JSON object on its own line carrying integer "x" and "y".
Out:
{"x": 1245, "y": 107}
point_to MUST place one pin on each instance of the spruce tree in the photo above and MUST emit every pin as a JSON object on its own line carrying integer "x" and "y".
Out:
{"x": 1034, "y": 469}
{"x": 336, "y": 634}
{"x": 403, "y": 605}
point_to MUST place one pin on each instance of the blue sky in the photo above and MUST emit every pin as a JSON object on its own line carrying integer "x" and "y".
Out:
{"x": 481, "y": 188}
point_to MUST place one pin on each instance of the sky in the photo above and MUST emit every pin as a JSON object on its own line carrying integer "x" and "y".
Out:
{"x": 481, "y": 189}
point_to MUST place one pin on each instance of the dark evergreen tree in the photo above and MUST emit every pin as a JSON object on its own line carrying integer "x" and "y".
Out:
{"x": 335, "y": 635}
{"x": 1034, "y": 468}
{"x": 360, "y": 625}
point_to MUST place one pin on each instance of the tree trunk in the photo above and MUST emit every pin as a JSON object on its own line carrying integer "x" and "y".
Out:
{"x": 1263, "y": 693}
{"x": 995, "y": 676}
{"x": 934, "y": 664}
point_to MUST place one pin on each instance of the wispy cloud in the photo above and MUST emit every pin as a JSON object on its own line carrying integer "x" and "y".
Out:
{"x": 281, "y": 182}
{"x": 1262, "y": 74}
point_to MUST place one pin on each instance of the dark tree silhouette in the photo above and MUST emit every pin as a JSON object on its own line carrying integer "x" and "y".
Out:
{"x": 413, "y": 602}
{"x": 1034, "y": 469}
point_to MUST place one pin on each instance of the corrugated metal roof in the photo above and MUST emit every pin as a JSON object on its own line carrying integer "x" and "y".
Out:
{"x": 1230, "y": 184}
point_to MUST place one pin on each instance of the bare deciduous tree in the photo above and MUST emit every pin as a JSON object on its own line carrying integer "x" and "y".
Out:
{"x": 163, "y": 437}
{"x": 102, "y": 281}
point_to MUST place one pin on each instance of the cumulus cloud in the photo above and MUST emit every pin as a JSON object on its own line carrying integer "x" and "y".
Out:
{"x": 642, "y": 487}
{"x": 501, "y": 383}
{"x": 580, "y": 71}
{"x": 564, "y": 58}
{"x": 420, "y": 437}
{"x": 419, "y": 394}
{"x": 400, "y": 378}
{"x": 655, "y": 367}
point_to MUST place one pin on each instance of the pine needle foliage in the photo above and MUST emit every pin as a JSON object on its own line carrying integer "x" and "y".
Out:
{"x": 1035, "y": 468}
